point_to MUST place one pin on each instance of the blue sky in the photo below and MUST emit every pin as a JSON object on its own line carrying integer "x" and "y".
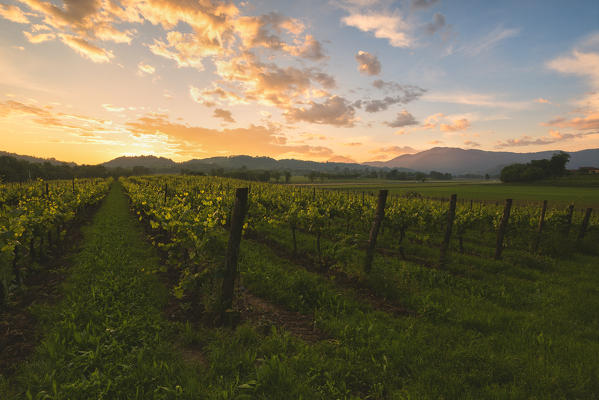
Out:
{"x": 359, "y": 80}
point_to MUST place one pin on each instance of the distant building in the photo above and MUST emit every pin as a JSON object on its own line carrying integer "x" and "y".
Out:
{"x": 588, "y": 170}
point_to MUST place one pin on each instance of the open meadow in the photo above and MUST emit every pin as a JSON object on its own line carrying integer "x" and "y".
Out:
{"x": 582, "y": 194}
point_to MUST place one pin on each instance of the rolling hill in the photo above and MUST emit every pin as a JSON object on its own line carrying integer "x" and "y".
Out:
{"x": 459, "y": 161}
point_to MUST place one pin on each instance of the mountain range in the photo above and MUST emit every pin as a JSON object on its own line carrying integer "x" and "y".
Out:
{"x": 443, "y": 159}
{"x": 459, "y": 161}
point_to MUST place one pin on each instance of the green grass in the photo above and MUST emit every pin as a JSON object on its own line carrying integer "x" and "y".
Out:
{"x": 524, "y": 327}
{"x": 107, "y": 338}
{"x": 581, "y": 196}
{"x": 517, "y": 328}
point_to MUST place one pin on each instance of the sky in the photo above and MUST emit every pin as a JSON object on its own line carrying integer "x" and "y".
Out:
{"x": 337, "y": 80}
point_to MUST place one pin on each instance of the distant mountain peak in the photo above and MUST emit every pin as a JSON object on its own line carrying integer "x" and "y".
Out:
{"x": 459, "y": 161}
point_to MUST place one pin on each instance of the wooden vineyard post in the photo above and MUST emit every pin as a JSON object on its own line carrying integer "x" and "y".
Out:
{"x": 450, "y": 218}
{"x": 362, "y": 199}
{"x": 239, "y": 210}
{"x": 569, "y": 219}
{"x": 73, "y": 185}
{"x": 502, "y": 228}
{"x": 535, "y": 247}
{"x": 165, "y": 192}
{"x": 47, "y": 190}
{"x": 585, "y": 224}
{"x": 313, "y": 193}
{"x": 374, "y": 230}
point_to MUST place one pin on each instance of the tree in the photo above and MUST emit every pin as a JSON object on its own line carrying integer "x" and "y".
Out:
{"x": 536, "y": 169}
{"x": 276, "y": 175}
{"x": 287, "y": 176}
{"x": 557, "y": 164}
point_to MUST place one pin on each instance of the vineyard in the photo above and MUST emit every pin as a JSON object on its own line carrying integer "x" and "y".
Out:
{"x": 285, "y": 292}
{"x": 33, "y": 221}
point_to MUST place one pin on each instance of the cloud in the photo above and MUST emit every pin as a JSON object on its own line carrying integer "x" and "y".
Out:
{"x": 456, "y": 125}
{"x": 390, "y": 26}
{"x": 269, "y": 84}
{"x": 489, "y": 41}
{"x": 589, "y": 121}
{"x": 39, "y": 38}
{"x": 583, "y": 64}
{"x": 586, "y": 65}
{"x": 310, "y": 49}
{"x": 267, "y": 30}
{"x": 553, "y": 137}
{"x": 13, "y": 13}
{"x": 475, "y": 99}
{"x": 186, "y": 49}
{"x": 45, "y": 116}
{"x": 541, "y": 100}
{"x": 431, "y": 121}
{"x": 353, "y": 144}
{"x": 334, "y": 111}
{"x": 342, "y": 159}
{"x": 393, "y": 151}
{"x": 403, "y": 118}
{"x": 86, "y": 49}
{"x": 144, "y": 68}
{"x": 436, "y": 25}
{"x": 471, "y": 143}
{"x": 423, "y": 4}
{"x": 112, "y": 108}
{"x": 404, "y": 95}
{"x": 216, "y": 94}
{"x": 254, "y": 140}
{"x": 224, "y": 114}
{"x": 368, "y": 64}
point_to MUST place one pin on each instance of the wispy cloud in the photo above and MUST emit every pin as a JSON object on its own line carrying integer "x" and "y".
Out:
{"x": 475, "y": 99}
{"x": 13, "y": 13}
{"x": 86, "y": 49}
{"x": 489, "y": 41}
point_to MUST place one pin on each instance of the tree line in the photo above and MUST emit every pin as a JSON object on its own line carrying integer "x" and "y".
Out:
{"x": 537, "y": 169}
{"x": 13, "y": 169}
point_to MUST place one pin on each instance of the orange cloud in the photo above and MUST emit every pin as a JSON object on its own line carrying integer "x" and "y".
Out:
{"x": 541, "y": 100}
{"x": 88, "y": 50}
{"x": 186, "y": 49}
{"x": 553, "y": 137}
{"x": 389, "y": 26}
{"x": 39, "y": 38}
{"x": 457, "y": 125}
{"x": 46, "y": 117}
{"x": 394, "y": 150}
{"x": 342, "y": 159}
{"x": 14, "y": 14}
{"x": 590, "y": 121}
{"x": 144, "y": 68}
{"x": 224, "y": 114}
{"x": 255, "y": 140}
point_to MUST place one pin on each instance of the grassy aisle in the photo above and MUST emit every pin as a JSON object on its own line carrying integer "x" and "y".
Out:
{"x": 107, "y": 339}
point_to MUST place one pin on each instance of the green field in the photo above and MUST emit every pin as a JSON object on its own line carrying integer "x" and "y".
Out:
{"x": 134, "y": 316}
{"x": 581, "y": 196}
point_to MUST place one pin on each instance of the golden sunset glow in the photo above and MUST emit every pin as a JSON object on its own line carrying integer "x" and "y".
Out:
{"x": 349, "y": 81}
